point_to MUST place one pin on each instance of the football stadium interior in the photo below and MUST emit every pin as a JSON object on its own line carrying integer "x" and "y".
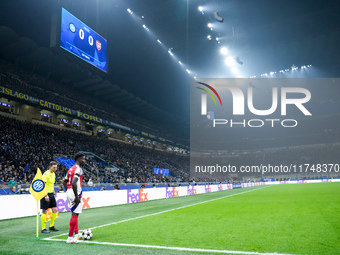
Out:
{"x": 208, "y": 126}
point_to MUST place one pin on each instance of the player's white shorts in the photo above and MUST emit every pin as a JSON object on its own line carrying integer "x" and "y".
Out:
{"x": 70, "y": 198}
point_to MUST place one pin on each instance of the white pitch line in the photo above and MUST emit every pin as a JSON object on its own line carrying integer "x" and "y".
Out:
{"x": 177, "y": 248}
{"x": 152, "y": 214}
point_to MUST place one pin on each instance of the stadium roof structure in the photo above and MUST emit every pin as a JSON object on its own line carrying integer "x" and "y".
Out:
{"x": 144, "y": 79}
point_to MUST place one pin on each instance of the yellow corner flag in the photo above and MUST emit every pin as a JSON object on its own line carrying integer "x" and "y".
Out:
{"x": 38, "y": 191}
{"x": 38, "y": 188}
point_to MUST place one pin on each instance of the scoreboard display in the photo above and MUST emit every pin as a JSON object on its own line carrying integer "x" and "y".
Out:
{"x": 79, "y": 39}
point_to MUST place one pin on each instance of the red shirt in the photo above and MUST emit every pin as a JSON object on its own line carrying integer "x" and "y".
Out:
{"x": 75, "y": 171}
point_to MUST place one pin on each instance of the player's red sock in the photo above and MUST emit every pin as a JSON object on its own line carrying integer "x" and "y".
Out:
{"x": 73, "y": 223}
{"x": 76, "y": 230}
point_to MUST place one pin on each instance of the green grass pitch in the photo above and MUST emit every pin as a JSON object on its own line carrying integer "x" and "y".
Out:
{"x": 287, "y": 219}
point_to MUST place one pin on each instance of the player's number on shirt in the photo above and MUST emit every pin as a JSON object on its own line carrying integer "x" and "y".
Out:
{"x": 69, "y": 180}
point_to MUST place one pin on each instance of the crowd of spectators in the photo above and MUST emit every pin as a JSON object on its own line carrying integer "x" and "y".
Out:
{"x": 18, "y": 79}
{"x": 25, "y": 147}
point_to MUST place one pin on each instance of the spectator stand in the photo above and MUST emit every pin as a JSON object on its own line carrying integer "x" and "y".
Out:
{"x": 100, "y": 164}
{"x": 88, "y": 170}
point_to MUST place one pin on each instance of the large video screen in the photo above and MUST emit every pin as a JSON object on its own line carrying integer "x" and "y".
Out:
{"x": 162, "y": 171}
{"x": 79, "y": 39}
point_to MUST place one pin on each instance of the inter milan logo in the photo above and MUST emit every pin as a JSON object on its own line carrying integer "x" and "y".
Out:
{"x": 38, "y": 185}
{"x": 72, "y": 27}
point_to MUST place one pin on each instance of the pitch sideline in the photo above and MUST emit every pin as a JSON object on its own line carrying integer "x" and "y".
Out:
{"x": 178, "y": 248}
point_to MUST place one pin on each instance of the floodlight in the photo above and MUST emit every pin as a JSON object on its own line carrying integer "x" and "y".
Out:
{"x": 224, "y": 51}
{"x": 229, "y": 61}
{"x": 234, "y": 70}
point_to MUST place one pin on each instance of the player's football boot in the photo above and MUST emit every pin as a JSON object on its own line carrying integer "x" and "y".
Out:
{"x": 70, "y": 239}
{"x": 77, "y": 236}
{"x": 53, "y": 228}
{"x": 45, "y": 231}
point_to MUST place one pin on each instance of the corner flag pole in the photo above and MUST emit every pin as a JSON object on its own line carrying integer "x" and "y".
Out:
{"x": 38, "y": 191}
{"x": 37, "y": 220}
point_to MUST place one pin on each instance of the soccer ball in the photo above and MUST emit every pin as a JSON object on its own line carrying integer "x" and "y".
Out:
{"x": 87, "y": 234}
